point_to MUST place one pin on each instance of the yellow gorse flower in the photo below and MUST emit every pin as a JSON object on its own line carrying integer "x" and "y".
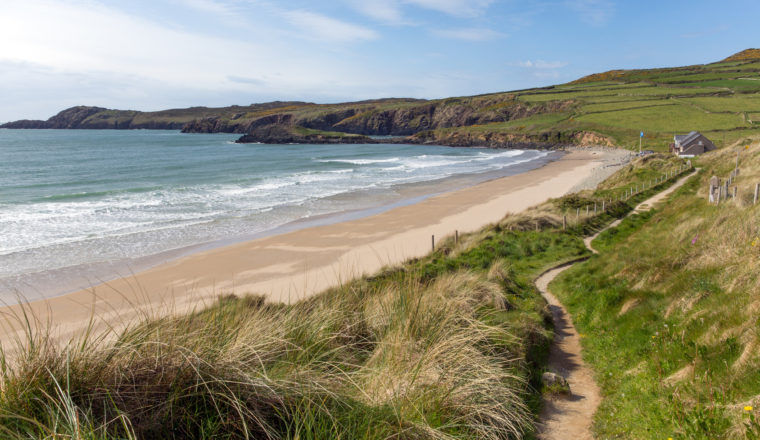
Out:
{"x": 747, "y": 408}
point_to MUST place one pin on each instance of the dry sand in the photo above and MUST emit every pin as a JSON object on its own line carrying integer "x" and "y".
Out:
{"x": 294, "y": 265}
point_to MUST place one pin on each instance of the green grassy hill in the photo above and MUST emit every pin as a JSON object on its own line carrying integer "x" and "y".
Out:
{"x": 722, "y": 100}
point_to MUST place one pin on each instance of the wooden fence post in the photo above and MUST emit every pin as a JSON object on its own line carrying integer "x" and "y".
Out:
{"x": 564, "y": 222}
{"x": 432, "y": 242}
{"x": 603, "y": 205}
{"x": 577, "y": 214}
{"x": 735, "y": 193}
{"x": 757, "y": 190}
{"x": 594, "y": 208}
{"x": 456, "y": 236}
{"x": 586, "y": 210}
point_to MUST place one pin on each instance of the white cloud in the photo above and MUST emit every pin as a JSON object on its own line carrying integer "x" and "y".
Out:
{"x": 469, "y": 34}
{"x": 60, "y": 53}
{"x": 388, "y": 11}
{"x": 457, "y": 8}
{"x": 542, "y": 65}
{"x": 392, "y": 11}
{"x": 327, "y": 28}
{"x": 81, "y": 45}
{"x": 594, "y": 12}
{"x": 209, "y": 6}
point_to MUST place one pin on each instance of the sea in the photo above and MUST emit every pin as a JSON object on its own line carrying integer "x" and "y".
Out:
{"x": 80, "y": 207}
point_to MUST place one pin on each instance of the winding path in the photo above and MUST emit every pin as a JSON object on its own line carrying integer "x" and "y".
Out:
{"x": 570, "y": 417}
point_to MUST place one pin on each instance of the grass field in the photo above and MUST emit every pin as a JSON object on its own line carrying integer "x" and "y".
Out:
{"x": 732, "y": 104}
{"x": 617, "y": 105}
{"x": 676, "y": 118}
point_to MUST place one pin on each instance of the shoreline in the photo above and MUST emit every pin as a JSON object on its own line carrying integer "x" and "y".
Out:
{"x": 50, "y": 283}
{"x": 291, "y": 266}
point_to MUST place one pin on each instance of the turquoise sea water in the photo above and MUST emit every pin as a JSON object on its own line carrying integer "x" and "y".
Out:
{"x": 76, "y": 204}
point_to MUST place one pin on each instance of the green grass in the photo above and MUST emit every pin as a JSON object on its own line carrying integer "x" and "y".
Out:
{"x": 622, "y": 105}
{"x": 738, "y": 85}
{"x": 666, "y": 310}
{"x": 734, "y": 104}
{"x": 675, "y": 118}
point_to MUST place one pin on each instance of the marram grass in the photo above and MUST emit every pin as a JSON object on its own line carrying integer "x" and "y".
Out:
{"x": 398, "y": 355}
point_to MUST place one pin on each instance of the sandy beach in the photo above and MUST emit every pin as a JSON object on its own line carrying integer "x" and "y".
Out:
{"x": 294, "y": 265}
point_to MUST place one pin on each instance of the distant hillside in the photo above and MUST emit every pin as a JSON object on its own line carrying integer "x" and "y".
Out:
{"x": 722, "y": 100}
{"x": 746, "y": 54}
{"x": 85, "y": 117}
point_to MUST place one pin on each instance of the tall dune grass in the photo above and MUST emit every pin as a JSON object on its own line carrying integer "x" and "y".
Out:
{"x": 388, "y": 357}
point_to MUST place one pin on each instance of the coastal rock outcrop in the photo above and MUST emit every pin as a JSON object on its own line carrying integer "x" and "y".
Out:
{"x": 288, "y": 134}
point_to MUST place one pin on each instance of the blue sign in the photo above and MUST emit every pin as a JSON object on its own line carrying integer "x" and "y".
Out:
{"x": 641, "y": 135}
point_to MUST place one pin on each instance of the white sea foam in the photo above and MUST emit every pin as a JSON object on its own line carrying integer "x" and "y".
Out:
{"x": 359, "y": 161}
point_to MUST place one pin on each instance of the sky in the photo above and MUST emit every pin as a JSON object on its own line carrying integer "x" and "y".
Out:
{"x": 158, "y": 54}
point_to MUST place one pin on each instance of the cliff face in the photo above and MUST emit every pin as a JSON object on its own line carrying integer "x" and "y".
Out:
{"x": 380, "y": 119}
{"x": 217, "y": 124}
{"x": 285, "y": 133}
{"x": 431, "y": 116}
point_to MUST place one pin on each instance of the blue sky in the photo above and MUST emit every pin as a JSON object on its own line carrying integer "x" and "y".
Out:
{"x": 157, "y": 54}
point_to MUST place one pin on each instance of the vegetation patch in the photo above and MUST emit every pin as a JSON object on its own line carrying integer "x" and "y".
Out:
{"x": 682, "y": 362}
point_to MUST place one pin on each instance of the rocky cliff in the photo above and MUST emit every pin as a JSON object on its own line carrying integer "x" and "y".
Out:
{"x": 284, "y": 133}
{"x": 379, "y": 118}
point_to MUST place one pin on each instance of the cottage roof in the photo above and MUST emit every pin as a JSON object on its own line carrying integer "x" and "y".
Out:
{"x": 685, "y": 139}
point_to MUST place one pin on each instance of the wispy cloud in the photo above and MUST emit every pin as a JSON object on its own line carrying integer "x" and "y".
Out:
{"x": 246, "y": 80}
{"x": 594, "y": 12}
{"x": 456, "y": 8}
{"x": 393, "y": 11}
{"x": 541, "y": 64}
{"x": 328, "y": 28}
{"x": 388, "y": 11}
{"x": 209, "y": 6}
{"x": 469, "y": 34}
